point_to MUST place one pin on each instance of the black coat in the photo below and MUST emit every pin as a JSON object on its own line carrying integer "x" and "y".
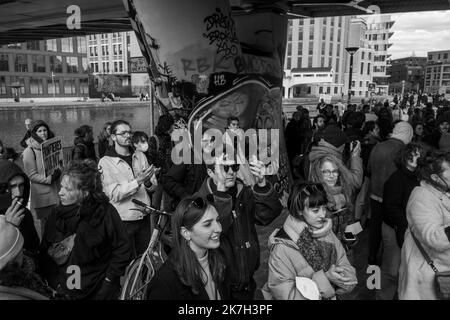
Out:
{"x": 184, "y": 180}
{"x": 83, "y": 150}
{"x": 239, "y": 242}
{"x": 166, "y": 285}
{"x": 397, "y": 190}
{"x": 101, "y": 250}
{"x": 9, "y": 170}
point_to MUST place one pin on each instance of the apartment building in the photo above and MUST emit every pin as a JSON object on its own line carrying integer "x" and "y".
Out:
{"x": 437, "y": 74}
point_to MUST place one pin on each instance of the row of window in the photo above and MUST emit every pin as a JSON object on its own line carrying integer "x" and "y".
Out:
{"x": 328, "y": 90}
{"x": 39, "y": 86}
{"x": 38, "y": 63}
{"x": 118, "y": 67}
{"x": 55, "y": 45}
{"x": 116, "y": 49}
{"x": 312, "y": 34}
{"x": 438, "y": 56}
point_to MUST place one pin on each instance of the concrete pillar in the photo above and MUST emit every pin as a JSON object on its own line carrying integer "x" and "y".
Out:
{"x": 219, "y": 63}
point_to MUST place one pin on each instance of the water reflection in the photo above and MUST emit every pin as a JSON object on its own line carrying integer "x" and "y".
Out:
{"x": 64, "y": 121}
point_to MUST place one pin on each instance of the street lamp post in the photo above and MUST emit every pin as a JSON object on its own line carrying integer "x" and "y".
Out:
{"x": 403, "y": 88}
{"x": 351, "y": 51}
{"x": 54, "y": 88}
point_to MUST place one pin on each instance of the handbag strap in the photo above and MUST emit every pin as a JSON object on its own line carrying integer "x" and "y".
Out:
{"x": 425, "y": 255}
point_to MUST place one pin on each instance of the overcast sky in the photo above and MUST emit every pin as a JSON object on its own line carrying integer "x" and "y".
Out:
{"x": 420, "y": 32}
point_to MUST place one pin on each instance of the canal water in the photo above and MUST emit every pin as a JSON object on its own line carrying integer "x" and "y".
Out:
{"x": 64, "y": 120}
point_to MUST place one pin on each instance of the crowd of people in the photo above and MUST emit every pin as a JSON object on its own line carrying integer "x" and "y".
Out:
{"x": 383, "y": 166}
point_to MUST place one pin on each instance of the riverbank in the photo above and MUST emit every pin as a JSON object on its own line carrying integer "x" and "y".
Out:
{"x": 124, "y": 102}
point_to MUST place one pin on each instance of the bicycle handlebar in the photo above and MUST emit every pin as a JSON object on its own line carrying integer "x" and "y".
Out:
{"x": 149, "y": 208}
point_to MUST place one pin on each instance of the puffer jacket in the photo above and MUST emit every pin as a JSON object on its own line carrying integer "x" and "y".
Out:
{"x": 428, "y": 215}
{"x": 44, "y": 193}
{"x": 120, "y": 184}
{"x": 286, "y": 263}
{"x": 239, "y": 241}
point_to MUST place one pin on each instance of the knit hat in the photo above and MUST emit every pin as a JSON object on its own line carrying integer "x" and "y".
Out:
{"x": 335, "y": 136}
{"x": 11, "y": 242}
{"x": 403, "y": 131}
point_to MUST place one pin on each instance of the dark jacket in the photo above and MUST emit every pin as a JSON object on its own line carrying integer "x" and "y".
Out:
{"x": 9, "y": 170}
{"x": 397, "y": 190}
{"x": 183, "y": 180}
{"x": 27, "y": 136}
{"x": 381, "y": 165}
{"x": 367, "y": 145}
{"x": 166, "y": 285}
{"x": 433, "y": 139}
{"x": 238, "y": 214}
{"x": 101, "y": 249}
{"x": 83, "y": 150}
{"x": 103, "y": 145}
{"x": 294, "y": 138}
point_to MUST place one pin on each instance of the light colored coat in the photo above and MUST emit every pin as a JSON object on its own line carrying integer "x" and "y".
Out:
{"x": 120, "y": 184}
{"x": 428, "y": 214}
{"x": 44, "y": 193}
{"x": 286, "y": 263}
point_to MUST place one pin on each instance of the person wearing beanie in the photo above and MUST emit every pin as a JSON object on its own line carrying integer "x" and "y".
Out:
{"x": 17, "y": 278}
{"x": 380, "y": 167}
{"x": 15, "y": 190}
{"x": 44, "y": 190}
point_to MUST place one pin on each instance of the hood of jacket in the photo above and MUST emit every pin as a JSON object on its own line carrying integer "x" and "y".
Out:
{"x": 9, "y": 170}
{"x": 111, "y": 152}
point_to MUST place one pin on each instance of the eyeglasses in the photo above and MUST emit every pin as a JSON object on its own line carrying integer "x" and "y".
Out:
{"x": 200, "y": 202}
{"x": 125, "y": 133}
{"x": 330, "y": 172}
{"x": 234, "y": 167}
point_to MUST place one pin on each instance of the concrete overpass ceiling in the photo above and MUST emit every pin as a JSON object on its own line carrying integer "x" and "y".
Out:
{"x": 25, "y": 20}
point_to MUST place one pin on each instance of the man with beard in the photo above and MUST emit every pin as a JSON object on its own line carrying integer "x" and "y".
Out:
{"x": 126, "y": 175}
{"x": 14, "y": 195}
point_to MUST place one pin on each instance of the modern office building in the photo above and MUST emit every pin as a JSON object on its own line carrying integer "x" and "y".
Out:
{"x": 378, "y": 33}
{"x": 411, "y": 70}
{"x": 108, "y": 53}
{"x": 437, "y": 75}
{"x": 315, "y": 50}
{"x": 39, "y": 70}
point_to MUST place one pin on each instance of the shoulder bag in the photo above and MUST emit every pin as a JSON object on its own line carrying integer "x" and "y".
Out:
{"x": 441, "y": 279}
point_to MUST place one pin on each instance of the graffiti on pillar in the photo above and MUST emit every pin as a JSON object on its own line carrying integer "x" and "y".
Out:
{"x": 221, "y": 31}
{"x": 256, "y": 103}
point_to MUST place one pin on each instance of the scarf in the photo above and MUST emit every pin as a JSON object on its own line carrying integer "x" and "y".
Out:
{"x": 319, "y": 254}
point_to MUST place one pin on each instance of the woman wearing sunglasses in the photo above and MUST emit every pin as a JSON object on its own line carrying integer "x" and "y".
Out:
{"x": 306, "y": 247}
{"x": 195, "y": 270}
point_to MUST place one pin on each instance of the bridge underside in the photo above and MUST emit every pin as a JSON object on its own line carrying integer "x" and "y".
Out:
{"x": 24, "y": 20}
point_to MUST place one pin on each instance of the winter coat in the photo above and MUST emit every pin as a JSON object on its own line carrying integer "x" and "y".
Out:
{"x": 397, "y": 190}
{"x": 8, "y": 293}
{"x": 24, "y": 141}
{"x": 367, "y": 145}
{"x": 381, "y": 165}
{"x": 286, "y": 263}
{"x": 428, "y": 215}
{"x": 103, "y": 145}
{"x": 101, "y": 248}
{"x": 166, "y": 285}
{"x": 9, "y": 170}
{"x": 44, "y": 192}
{"x": 120, "y": 184}
{"x": 183, "y": 180}
{"x": 238, "y": 214}
{"x": 83, "y": 150}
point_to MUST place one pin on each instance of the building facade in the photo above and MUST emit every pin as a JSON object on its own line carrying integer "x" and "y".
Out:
{"x": 315, "y": 48}
{"x": 437, "y": 74}
{"x": 108, "y": 54}
{"x": 378, "y": 35}
{"x": 411, "y": 70}
{"x": 39, "y": 70}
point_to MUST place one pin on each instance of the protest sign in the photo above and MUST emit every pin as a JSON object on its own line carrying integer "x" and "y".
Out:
{"x": 52, "y": 154}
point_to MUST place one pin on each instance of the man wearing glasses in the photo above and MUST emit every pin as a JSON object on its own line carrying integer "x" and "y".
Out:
{"x": 126, "y": 175}
{"x": 240, "y": 207}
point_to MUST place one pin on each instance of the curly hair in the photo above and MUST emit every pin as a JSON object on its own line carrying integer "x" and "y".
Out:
{"x": 406, "y": 154}
{"x": 433, "y": 163}
{"x": 86, "y": 177}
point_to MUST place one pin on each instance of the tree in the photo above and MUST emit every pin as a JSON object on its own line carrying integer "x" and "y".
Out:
{"x": 109, "y": 83}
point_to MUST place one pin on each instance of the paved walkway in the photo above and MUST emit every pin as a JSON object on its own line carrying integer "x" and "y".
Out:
{"x": 357, "y": 257}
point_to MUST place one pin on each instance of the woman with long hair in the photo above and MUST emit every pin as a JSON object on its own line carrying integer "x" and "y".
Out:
{"x": 428, "y": 215}
{"x": 306, "y": 247}
{"x": 44, "y": 189}
{"x": 84, "y": 231}
{"x": 104, "y": 139}
{"x": 195, "y": 270}
{"x": 396, "y": 192}
{"x": 84, "y": 144}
